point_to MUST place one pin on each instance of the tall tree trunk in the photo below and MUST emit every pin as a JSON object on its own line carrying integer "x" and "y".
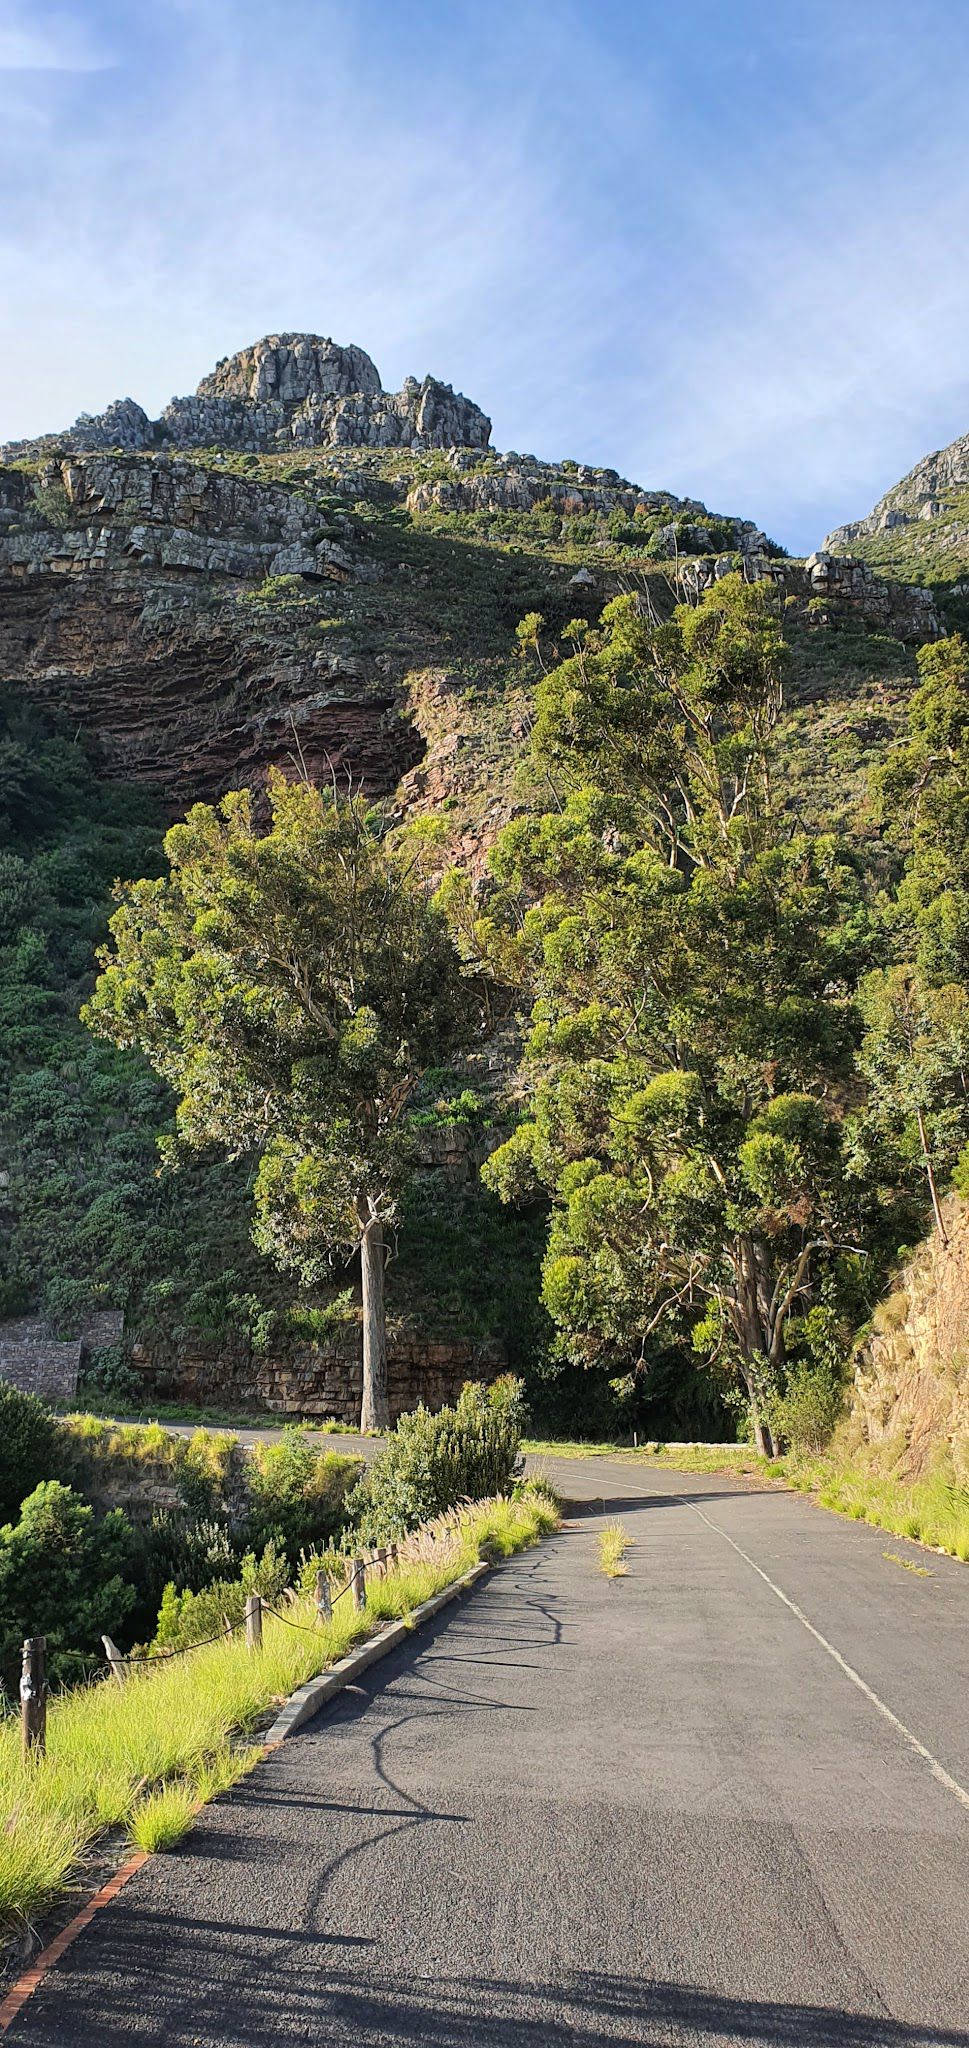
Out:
{"x": 763, "y": 1434}
{"x": 930, "y": 1177}
{"x": 375, "y": 1413}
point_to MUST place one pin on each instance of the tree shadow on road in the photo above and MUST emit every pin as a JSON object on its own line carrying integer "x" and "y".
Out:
{"x": 150, "y": 1981}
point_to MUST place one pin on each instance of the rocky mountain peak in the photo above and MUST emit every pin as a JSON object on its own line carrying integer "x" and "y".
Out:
{"x": 286, "y": 391}
{"x": 920, "y": 528}
{"x": 291, "y": 368}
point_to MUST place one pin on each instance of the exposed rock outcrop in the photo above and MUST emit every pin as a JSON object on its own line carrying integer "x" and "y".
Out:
{"x": 838, "y": 586}
{"x": 911, "y": 1393}
{"x": 513, "y": 483}
{"x": 286, "y": 391}
{"x": 915, "y": 497}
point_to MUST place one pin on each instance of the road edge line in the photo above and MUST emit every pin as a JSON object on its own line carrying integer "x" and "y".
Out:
{"x": 939, "y": 1772}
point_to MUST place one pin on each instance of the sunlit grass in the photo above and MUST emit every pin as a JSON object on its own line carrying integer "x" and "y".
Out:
{"x": 142, "y": 1757}
{"x": 676, "y": 1457}
{"x": 614, "y": 1542}
{"x": 934, "y": 1511}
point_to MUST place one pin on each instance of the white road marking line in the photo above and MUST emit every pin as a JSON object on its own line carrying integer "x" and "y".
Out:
{"x": 938, "y": 1770}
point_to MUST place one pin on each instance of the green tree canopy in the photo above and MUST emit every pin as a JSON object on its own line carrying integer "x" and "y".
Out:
{"x": 293, "y": 983}
{"x": 922, "y": 793}
{"x": 915, "y": 1051}
{"x": 692, "y": 1030}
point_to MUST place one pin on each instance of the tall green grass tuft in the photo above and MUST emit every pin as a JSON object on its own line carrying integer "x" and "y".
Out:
{"x": 614, "y": 1543}
{"x": 142, "y": 1757}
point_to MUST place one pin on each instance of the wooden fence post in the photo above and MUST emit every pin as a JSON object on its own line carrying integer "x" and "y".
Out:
{"x": 33, "y": 1697}
{"x": 381, "y": 1562}
{"x": 253, "y": 1621}
{"x": 119, "y": 1668}
{"x": 359, "y": 1583}
{"x": 324, "y": 1599}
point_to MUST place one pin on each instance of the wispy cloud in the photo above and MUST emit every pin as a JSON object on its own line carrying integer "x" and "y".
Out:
{"x": 42, "y": 39}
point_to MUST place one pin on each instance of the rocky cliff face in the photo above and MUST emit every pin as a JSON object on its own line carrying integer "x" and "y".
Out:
{"x": 286, "y": 391}
{"x": 911, "y": 1395}
{"x": 920, "y": 528}
{"x": 336, "y": 581}
{"x": 130, "y": 600}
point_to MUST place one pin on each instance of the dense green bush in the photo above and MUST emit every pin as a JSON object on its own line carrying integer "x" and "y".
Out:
{"x": 30, "y": 1448}
{"x": 467, "y": 1452}
{"x": 806, "y": 1415}
{"x": 296, "y": 1495}
{"x": 65, "y": 1576}
{"x": 189, "y": 1617}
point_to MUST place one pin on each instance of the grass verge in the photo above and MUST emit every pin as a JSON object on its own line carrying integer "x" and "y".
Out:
{"x": 106, "y": 1410}
{"x": 934, "y": 1511}
{"x": 144, "y": 1756}
{"x": 676, "y": 1457}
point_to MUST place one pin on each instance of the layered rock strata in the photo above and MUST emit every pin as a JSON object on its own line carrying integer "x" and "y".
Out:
{"x": 122, "y": 582}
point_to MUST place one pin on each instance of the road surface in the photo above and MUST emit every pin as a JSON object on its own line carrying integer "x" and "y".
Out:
{"x": 724, "y": 1800}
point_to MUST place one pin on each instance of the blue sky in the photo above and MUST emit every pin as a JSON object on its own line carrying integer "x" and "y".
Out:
{"x": 721, "y": 248}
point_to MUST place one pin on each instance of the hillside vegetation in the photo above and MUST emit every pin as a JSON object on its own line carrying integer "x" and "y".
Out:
{"x": 402, "y": 615}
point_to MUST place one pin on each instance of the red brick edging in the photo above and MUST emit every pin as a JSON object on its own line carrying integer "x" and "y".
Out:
{"x": 27, "y": 1984}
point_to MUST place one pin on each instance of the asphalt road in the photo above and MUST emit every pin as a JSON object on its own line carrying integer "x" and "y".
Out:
{"x": 723, "y": 1800}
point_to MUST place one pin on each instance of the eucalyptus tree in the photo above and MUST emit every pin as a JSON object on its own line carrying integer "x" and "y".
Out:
{"x": 293, "y": 981}
{"x": 690, "y": 952}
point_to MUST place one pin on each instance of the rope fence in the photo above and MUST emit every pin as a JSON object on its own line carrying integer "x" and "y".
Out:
{"x": 421, "y": 1544}
{"x": 34, "y": 1688}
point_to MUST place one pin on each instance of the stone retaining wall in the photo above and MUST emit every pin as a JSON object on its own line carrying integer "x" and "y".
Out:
{"x": 34, "y": 1361}
{"x": 314, "y": 1380}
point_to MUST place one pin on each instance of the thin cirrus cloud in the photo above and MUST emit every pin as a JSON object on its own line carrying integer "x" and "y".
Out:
{"x": 36, "y": 39}
{"x": 731, "y": 265}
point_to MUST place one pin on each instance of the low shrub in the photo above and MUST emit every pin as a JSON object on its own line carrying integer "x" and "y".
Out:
{"x": 804, "y": 1418}
{"x": 430, "y": 1461}
{"x": 30, "y": 1448}
{"x": 110, "y": 1377}
{"x": 192, "y": 1617}
{"x": 296, "y": 1494}
{"x": 65, "y": 1576}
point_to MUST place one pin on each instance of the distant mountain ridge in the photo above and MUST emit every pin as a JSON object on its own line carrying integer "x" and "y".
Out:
{"x": 287, "y": 391}
{"x": 919, "y": 529}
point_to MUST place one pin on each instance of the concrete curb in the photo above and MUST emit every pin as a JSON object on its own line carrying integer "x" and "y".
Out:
{"x": 309, "y": 1698}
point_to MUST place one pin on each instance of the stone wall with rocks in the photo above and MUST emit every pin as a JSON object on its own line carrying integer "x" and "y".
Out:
{"x": 35, "y": 1361}
{"x": 313, "y": 1380}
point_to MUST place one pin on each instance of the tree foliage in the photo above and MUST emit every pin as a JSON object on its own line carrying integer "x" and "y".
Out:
{"x": 293, "y": 984}
{"x": 692, "y": 956}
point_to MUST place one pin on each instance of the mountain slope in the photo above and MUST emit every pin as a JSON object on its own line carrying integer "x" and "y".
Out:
{"x": 332, "y": 588}
{"x": 919, "y": 530}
